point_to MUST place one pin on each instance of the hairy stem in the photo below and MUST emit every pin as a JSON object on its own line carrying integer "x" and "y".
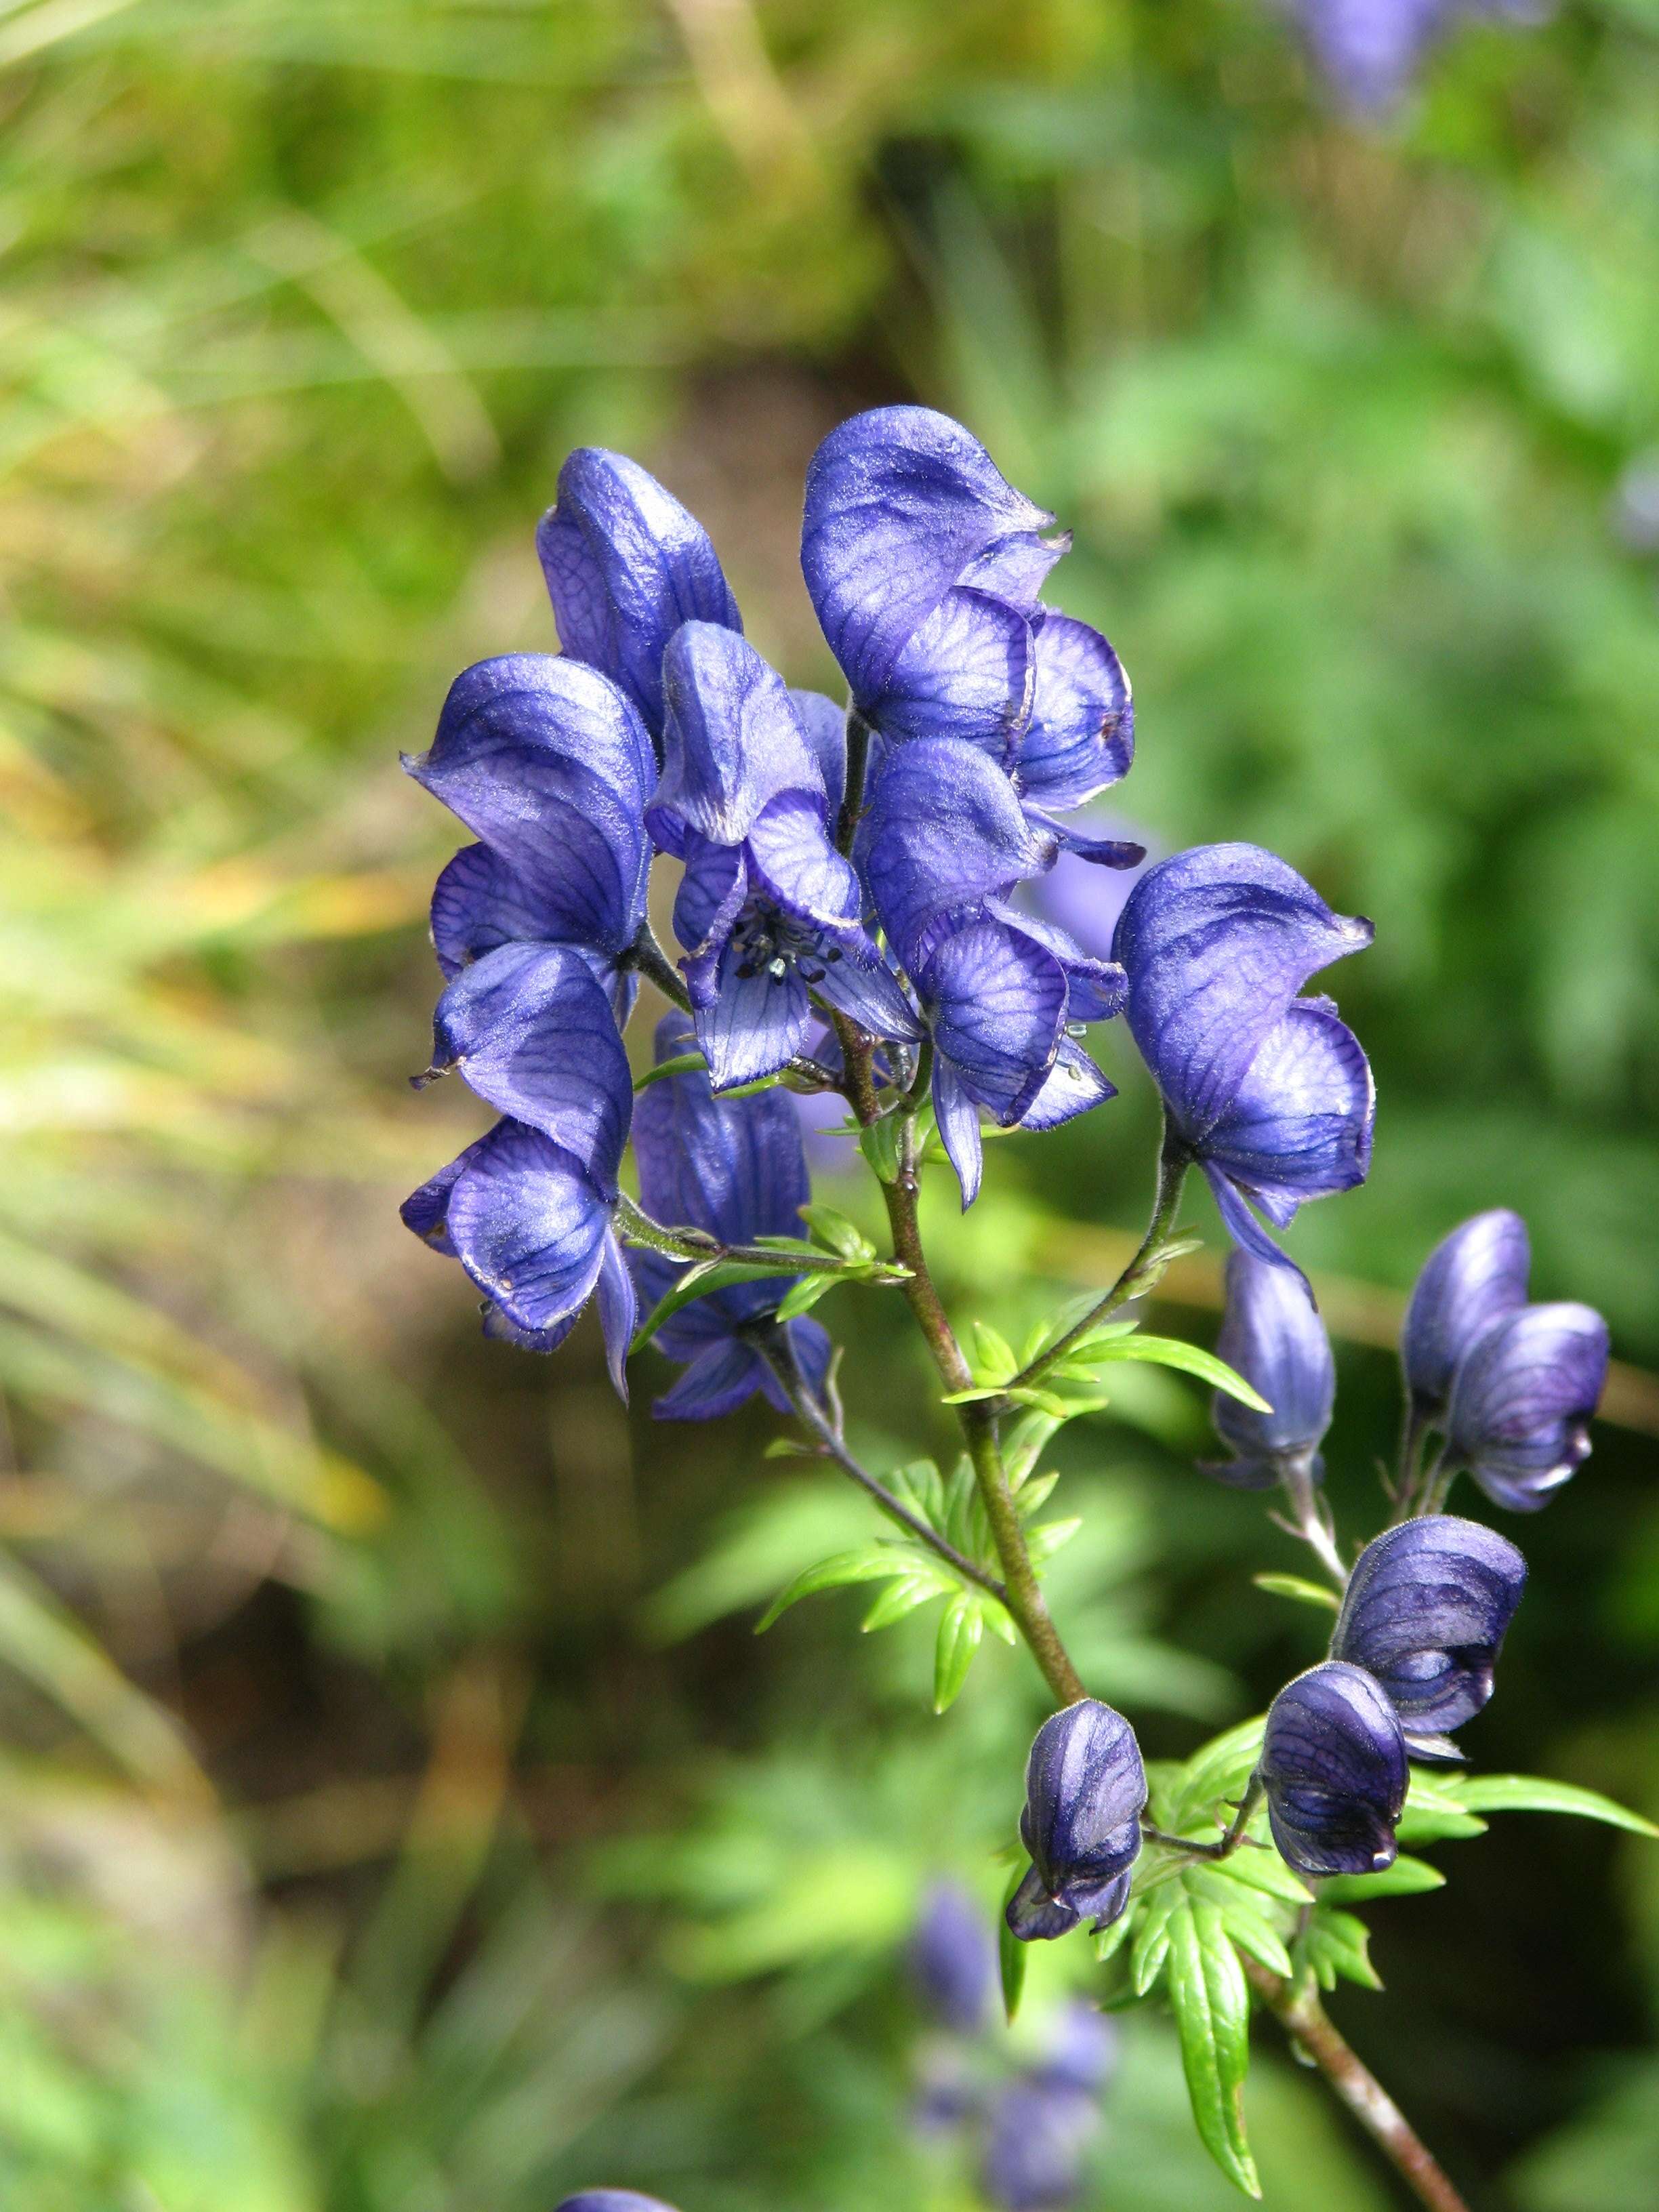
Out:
{"x": 647, "y": 955}
{"x": 1143, "y": 1270}
{"x": 1296, "y": 2007}
{"x": 772, "y": 1342}
{"x": 858, "y": 758}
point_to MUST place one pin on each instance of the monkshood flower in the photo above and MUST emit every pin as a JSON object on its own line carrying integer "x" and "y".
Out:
{"x": 769, "y": 911}
{"x": 924, "y": 564}
{"x": 527, "y": 1209}
{"x": 1086, "y": 1789}
{"x": 1268, "y": 1092}
{"x": 1081, "y": 2053}
{"x": 1333, "y": 1766}
{"x": 1470, "y": 1278}
{"x": 547, "y": 762}
{"x": 736, "y": 1167}
{"x": 1369, "y": 51}
{"x": 944, "y": 840}
{"x": 613, "y": 2200}
{"x": 625, "y": 566}
{"x": 1425, "y": 1611}
{"x": 952, "y": 1959}
{"x": 1035, "y": 2149}
{"x": 1271, "y": 1335}
{"x": 1521, "y": 1402}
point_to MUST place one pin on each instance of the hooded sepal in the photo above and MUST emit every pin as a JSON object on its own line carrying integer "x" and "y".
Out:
{"x": 1334, "y": 1769}
{"x": 1427, "y": 1606}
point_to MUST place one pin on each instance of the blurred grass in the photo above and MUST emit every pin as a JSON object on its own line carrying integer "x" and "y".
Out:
{"x": 329, "y": 1682}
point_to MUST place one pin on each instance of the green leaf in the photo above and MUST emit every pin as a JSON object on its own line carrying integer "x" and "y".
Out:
{"x": 683, "y": 1063}
{"x": 1042, "y": 1543}
{"x": 1267, "y": 1872}
{"x": 836, "y": 1233}
{"x": 961, "y": 1626}
{"x": 1528, "y": 1793}
{"x": 994, "y": 1362}
{"x": 1032, "y": 1497}
{"x": 1170, "y": 1352}
{"x": 1434, "y": 1814}
{"x": 1216, "y": 1772}
{"x": 1210, "y": 2000}
{"x": 918, "y": 1586}
{"x": 1149, "y": 1952}
{"x": 1336, "y": 1946}
{"x": 872, "y": 1563}
{"x": 1406, "y": 1877}
{"x": 1303, "y": 1592}
{"x": 805, "y": 1295}
{"x": 1012, "y": 1954}
{"x": 701, "y": 1280}
{"x": 1027, "y": 1440}
{"x": 878, "y": 1142}
{"x": 1244, "y": 1913}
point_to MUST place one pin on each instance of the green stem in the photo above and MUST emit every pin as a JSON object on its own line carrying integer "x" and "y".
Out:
{"x": 637, "y": 1227}
{"x": 858, "y": 760}
{"x": 647, "y": 955}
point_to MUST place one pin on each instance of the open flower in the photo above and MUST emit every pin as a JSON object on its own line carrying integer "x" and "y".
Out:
{"x": 527, "y": 1209}
{"x": 1371, "y": 51}
{"x": 924, "y": 564}
{"x": 1333, "y": 1766}
{"x": 945, "y": 841}
{"x": 1271, "y": 1335}
{"x": 625, "y": 566}
{"x": 768, "y": 910}
{"x": 1085, "y": 1788}
{"x": 737, "y": 1168}
{"x": 1269, "y": 1092}
{"x": 613, "y": 2200}
{"x": 1521, "y": 1401}
{"x": 547, "y": 762}
{"x": 1470, "y": 1278}
{"x": 1426, "y": 1609}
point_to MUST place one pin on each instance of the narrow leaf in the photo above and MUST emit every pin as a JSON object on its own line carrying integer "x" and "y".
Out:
{"x": 701, "y": 1280}
{"x": 1012, "y": 1954}
{"x": 1528, "y": 1793}
{"x": 836, "y": 1233}
{"x": 961, "y": 1626}
{"x": 872, "y": 1563}
{"x": 902, "y": 1596}
{"x": 1170, "y": 1352}
{"x": 683, "y": 1063}
{"x": 1211, "y": 2004}
{"x": 805, "y": 1295}
{"x": 1406, "y": 1877}
{"x": 1303, "y": 1592}
{"x": 995, "y": 1361}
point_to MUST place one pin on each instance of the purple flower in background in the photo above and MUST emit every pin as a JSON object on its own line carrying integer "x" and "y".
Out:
{"x": 943, "y": 844}
{"x": 612, "y": 2200}
{"x": 527, "y": 1210}
{"x": 1270, "y": 1093}
{"x": 1470, "y": 1278}
{"x": 625, "y": 566}
{"x": 1369, "y": 51}
{"x": 1085, "y": 1788}
{"x": 1034, "y": 2151}
{"x": 1334, "y": 1766}
{"x": 1078, "y": 897}
{"x": 953, "y": 1959}
{"x": 768, "y": 910}
{"x": 1521, "y": 1402}
{"x": 1427, "y": 1606}
{"x": 924, "y": 564}
{"x": 1271, "y": 1335}
{"x": 736, "y": 1167}
{"x": 549, "y": 765}
{"x": 1081, "y": 2055}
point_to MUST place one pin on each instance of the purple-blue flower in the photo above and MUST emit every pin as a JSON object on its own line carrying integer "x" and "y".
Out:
{"x": 736, "y": 1167}
{"x": 612, "y": 2200}
{"x": 1426, "y": 1609}
{"x": 549, "y": 764}
{"x": 769, "y": 911}
{"x": 1333, "y": 1766}
{"x": 1470, "y": 1278}
{"x": 1085, "y": 1788}
{"x": 1035, "y": 2147}
{"x": 1271, "y": 1335}
{"x": 1369, "y": 51}
{"x": 1080, "y": 2053}
{"x": 527, "y": 1209}
{"x": 625, "y": 566}
{"x": 1270, "y": 1093}
{"x": 953, "y": 1961}
{"x": 945, "y": 841}
{"x": 1521, "y": 1402}
{"x": 924, "y": 564}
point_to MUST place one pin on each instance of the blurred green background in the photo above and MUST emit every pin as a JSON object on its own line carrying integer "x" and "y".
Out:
{"x": 397, "y": 1815}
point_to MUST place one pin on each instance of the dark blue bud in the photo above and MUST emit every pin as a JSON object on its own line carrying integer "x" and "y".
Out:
{"x": 1274, "y": 1339}
{"x": 1470, "y": 1278}
{"x": 1425, "y": 1612}
{"x": 1521, "y": 1401}
{"x": 952, "y": 1958}
{"x": 1334, "y": 1766}
{"x": 1085, "y": 1791}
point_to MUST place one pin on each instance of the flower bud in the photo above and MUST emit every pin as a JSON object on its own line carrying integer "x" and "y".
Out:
{"x": 1273, "y": 1338}
{"x": 1084, "y": 1790}
{"x": 1521, "y": 1404}
{"x": 1470, "y": 1278}
{"x": 1334, "y": 1766}
{"x": 1427, "y": 1608}
{"x": 952, "y": 1959}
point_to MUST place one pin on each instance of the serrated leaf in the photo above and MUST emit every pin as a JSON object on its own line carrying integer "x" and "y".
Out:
{"x": 1111, "y": 1939}
{"x": 805, "y": 1295}
{"x": 902, "y": 1596}
{"x": 836, "y": 1233}
{"x": 1210, "y": 2000}
{"x": 1042, "y": 1543}
{"x": 1012, "y": 1954}
{"x": 1337, "y": 1947}
{"x": 1190, "y": 1359}
{"x": 1530, "y": 1793}
{"x": 1301, "y": 1590}
{"x": 1406, "y": 1877}
{"x": 871, "y": 1562}
{"x": 918, "y": 1484}
{"x": 961, "y": 1626}
{"x": 1244, "y": 1914}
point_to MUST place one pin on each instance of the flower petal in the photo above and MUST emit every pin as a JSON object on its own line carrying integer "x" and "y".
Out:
{"x": 732, "y": 741}
{"x": 791, "y": 856}
{"x": 1271, "y": 1335}
{"x": 716, "y": 1382}
{"x": 735, "y": 1167}
{"x": 967, "y": 674}
{"x": 753, "y": 1026}
{"x": 824, "y": 726}
{"x": 1085, "y": 1788}
{"x": 625, "y": 566}
{"x": 958, "y": 1129}
{"x": 1521, "y": 1401}
{"x": 478, "y": 903}
{"x": 862, "y": 986}
{"x": 1299, "y": 1126}
{"x": 1080, "y": 735}
{"x": 1427, "y": 1607}
{"x": 1471, "y": 1278}
{"x": 532, "y": 1032}
{"x": 529, "y": 1226}
{"x": 1334, "y": 1762}
{"x": 619, "y": 1310}
{"x": 996, "y": 1002}
{"x": 1072, "y": 1086}
{"x": 814, "y": 1351}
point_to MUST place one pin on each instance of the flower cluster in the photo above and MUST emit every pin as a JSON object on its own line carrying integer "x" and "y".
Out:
{"x": 1369, "y": 51}
{"x": 1029, "y": 2129}
{"x": 852, "y": 867}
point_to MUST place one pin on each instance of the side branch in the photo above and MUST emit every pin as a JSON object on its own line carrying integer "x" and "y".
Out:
{"x": 1299, "y": 2011}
